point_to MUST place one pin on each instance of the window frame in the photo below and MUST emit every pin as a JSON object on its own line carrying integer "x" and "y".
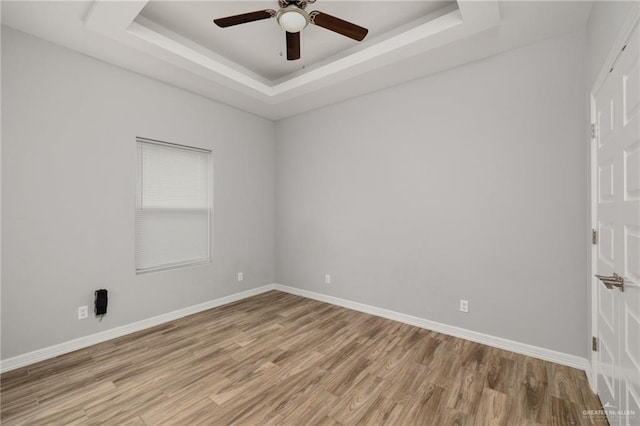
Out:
{"x": 138, "y": 197}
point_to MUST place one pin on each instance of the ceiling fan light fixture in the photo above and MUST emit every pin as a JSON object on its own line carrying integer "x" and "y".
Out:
{"x": 293, "y": 19}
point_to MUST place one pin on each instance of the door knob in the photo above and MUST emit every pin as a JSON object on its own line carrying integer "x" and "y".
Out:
{"x": 613, "y": 281}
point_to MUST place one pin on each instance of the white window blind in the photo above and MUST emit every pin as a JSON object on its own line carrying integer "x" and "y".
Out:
{"x": 173, "y": 205}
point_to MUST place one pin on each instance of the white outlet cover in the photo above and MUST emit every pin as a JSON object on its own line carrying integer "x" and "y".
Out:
{"x": 327, "y": 279}
{"x": 83, "y": 312}
{"x": 240, "y": 276}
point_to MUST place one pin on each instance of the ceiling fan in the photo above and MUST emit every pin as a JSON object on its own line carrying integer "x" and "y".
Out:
{"x": 293, "y": 18}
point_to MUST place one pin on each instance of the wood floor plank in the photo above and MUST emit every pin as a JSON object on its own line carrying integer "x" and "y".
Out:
{"x": 424, "y": 406}
{"x": 355, "y": 403}
{"x": 348, "y": 375}
{"x": 464, "y": 395}
{"x": 494, "y": 409}
{"x": 389, "y": 363}
{"x": 534, "y": 402}
{"x": 290, "y": 390}
{"x": 501, "y": 373}
{"x": 280, "y": 359}
{"x": 563, "y": 384}
{"x": 453, "y": 418}
{"x": 564, "y": 412}
{"x": 313, "y": 409}
{"x": 383, "y": 411}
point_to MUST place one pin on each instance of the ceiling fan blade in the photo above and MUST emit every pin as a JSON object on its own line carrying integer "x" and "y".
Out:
{"x": 338, "y": 25}
{"x": 293, "y": 46}
{"x": 244, "y": 18}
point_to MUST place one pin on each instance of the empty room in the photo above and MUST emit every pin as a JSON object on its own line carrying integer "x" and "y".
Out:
{"x": 320, "y": 212}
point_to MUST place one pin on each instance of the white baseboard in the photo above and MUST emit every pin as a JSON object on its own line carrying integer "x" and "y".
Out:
{"x": 486, "y": 339}
{"x": 82, "y": 342}
{"x": 474, "y": 336}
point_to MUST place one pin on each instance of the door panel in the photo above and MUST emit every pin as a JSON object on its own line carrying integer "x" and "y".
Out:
{"x": 607, "y": 243}
{"x": 618, "y": 217}
{"x": 627, "y": 71}
{"x": 632, "y": 172}
{"x": 632, "y": 337}
{"x": 632, "y": 402}
{"x": 607, "y": 249}
{"x": 607, "y": 305}
{"x": 605, "y": 183}
{"x": 632, "y": 259}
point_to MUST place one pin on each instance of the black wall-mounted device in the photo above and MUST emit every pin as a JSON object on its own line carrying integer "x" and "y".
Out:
{"x": 101, "y": 302}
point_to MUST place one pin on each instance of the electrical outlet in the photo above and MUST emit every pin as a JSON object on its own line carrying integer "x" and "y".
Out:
{"x": 327, "y": 279}
{"x": 240, "y": 276}
{"x": 83, "y": 312}
{"x": 464, "y": 305}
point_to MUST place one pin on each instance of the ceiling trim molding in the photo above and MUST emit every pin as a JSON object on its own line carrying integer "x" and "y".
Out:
{"x": 111, "y": 16}
{"x": 120, "y": 21}
{"x": 183, "y": 49}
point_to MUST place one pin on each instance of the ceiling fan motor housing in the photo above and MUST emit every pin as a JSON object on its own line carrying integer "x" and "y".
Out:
{"x": 300, "y": 3}
{"x": 292, "y": 18}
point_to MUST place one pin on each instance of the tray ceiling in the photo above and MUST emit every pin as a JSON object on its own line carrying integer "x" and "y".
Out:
{"x": 177, "y": 42}
{"x": 259, "y": 46}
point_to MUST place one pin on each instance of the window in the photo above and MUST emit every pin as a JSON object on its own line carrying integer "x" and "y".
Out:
{"x": 173, "y": 205}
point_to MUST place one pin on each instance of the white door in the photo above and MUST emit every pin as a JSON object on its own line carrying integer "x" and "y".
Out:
{"x": 617, "y": 113}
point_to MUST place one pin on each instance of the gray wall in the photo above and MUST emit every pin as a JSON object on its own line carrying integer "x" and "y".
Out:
{"x": 467, "y": 184}
{"x": 68, "y": 131}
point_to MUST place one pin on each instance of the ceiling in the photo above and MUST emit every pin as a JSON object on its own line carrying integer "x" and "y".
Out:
{"x": 177, "y": 42}
{"x": 259, "y": 45}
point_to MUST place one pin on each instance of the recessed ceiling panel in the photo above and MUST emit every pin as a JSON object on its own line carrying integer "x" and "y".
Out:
{"x": 260, "y": 46}
{"x": 241, "y": 67}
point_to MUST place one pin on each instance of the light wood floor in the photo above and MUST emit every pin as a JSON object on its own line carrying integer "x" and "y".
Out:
{"x": 278, "y": 358}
